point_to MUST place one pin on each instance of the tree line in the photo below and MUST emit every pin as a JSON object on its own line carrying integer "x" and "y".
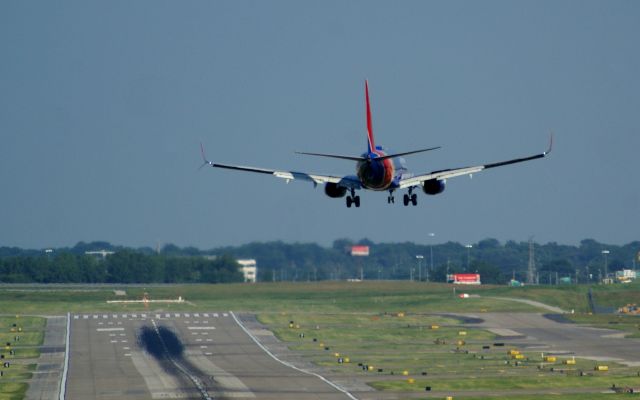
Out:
{"x": 124, "y": 266}
{"x": 278, "y": 261}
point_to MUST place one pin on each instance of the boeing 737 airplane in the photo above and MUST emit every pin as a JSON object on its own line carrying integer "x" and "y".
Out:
{"x": 378, "y": 171}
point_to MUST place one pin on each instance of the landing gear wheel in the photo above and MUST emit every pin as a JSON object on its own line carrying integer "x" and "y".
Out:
{"x": 405, "y": 200}
{"x": 349, "y": 201}
{"x": 414, "y": 199}
{"x": 356, "y": 201}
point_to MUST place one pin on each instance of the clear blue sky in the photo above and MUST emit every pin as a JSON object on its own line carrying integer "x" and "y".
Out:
{"x": 103, "y": 105}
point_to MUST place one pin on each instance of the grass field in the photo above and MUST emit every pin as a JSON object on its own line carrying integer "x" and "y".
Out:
{"x": 20, "y": 337}
{"x": 383, "y": 328}
{"x": 389, "y": 349}
{"x": 308, "y": 297}
{"x": 12, "y": 390}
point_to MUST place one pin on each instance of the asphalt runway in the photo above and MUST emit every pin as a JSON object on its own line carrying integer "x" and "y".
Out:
{"x": 178, "y": 356}
{"x": 536, "y": 331}
{"x": 45, "y": 384}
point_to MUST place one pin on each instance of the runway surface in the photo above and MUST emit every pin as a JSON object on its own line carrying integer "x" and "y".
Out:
{"x": 178, "y": 356}
{"x": 45, "y": 384}
{"x": 537, "y": 331}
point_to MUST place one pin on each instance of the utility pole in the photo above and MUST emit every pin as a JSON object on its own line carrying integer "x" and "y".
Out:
{"x": 419, "y": 257}
{"x": 531, "y": 269}
{"x": 431, "y": 235}
{"x": 606, "y": 267}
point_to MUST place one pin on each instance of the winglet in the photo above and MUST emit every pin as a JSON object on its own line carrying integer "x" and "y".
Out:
{"x": 371, "y": 142}
{"x": 550, "y": 144}
{"x": 204, "y": 158}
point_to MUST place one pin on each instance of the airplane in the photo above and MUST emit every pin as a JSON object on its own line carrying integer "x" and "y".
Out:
{"x": 376, "y": 170}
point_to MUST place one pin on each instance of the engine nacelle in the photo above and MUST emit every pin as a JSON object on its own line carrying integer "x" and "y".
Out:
{"x": 333, "y": 190}
{"x": 433, "y": 186}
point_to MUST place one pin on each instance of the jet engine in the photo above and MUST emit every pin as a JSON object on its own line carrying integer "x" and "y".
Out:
{"x": 433, "y": 186}
{"x": 333, "y": 190}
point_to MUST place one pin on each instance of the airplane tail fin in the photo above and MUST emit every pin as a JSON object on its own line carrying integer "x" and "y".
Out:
{"x": 371, "y": 142}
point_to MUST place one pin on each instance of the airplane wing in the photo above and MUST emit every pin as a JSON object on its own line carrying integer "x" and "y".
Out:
{"x": 350, "y": 182}
{"x": 453, "y": 172}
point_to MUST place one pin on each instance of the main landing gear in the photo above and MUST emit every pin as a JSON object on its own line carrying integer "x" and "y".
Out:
{"x": 410, "y": 198}
{"x": 353, "y": 199}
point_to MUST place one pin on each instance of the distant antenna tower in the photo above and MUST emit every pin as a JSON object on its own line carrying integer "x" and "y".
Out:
{"x": 531, "y": 269}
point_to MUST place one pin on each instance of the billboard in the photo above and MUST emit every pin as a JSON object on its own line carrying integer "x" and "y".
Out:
{"x": 465, "y": 279}
{"x": 359, "y": 250}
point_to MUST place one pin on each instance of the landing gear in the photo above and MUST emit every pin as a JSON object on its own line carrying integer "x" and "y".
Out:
{"x": 410, "y": 198}
{"x": 390, "y": 198}
{"x": 353, "y": 199}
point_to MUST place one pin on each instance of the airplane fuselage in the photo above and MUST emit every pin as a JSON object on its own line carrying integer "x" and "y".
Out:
{"x": 376, "y": 174}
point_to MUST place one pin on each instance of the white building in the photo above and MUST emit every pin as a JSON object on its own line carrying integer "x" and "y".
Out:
{"x": 626, "y": 275}
{"x": 100, "y": 254}
{"x": 249, "y": 269}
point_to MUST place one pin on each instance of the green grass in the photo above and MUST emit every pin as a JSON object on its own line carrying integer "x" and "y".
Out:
{"x": 406, "y": 343}
{"x": 12, "y": 390}
{"x": 24, "y": 334}
{"x": 542, "y": 381}
{"x": 30, "y": 330}
{"x": 617, "y": 295}
{"x": 553, "y": 396}
{"x": 372, "y": 296}
{"x": 17, "y": 372}
{"x": 24, "y": 338}
{"x": 26, "y": 323}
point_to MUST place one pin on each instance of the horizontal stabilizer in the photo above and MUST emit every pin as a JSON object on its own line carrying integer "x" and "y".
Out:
{"x": 341, "y": 157}
{"x": 380, "y": 158}
{"x": 406, "y": 153}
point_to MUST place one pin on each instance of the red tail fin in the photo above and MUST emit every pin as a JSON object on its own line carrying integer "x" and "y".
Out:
{"x": 372, "y": 144}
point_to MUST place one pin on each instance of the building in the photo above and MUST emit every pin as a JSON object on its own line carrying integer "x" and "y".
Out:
{"x": 99, "y": 254}
{"x": 626, "y": 275}
{"x": 249, "y": 270}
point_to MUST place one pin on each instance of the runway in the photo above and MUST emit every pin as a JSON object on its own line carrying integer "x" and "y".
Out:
{"x": 45, "y": 384}
{"x": 178, "y": 356}
{"x": 549, "y": 335}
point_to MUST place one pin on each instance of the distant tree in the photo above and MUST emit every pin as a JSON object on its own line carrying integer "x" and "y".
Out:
{"x": 221, "y": 270}
{"x": 561, "y": 266}
{"x": 64, "y": 269}
{"x": 489, "y": 274}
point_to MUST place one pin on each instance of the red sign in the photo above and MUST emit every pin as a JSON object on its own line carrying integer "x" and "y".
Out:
{"x": 466, "y": 279}
{"x": 359, "y": 250}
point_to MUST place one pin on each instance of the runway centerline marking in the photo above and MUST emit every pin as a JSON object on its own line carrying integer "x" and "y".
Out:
{"x": 200, "y": 328}
{"x": 109, "y": 329}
